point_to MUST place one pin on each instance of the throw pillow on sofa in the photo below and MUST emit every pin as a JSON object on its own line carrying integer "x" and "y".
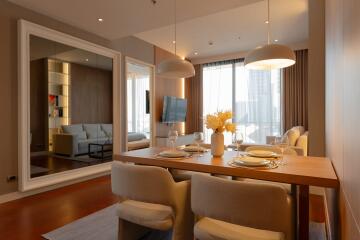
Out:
{"x": 292, "y": 134}
{"x": 107, "y": 128}
{"x": 94, "y": 131}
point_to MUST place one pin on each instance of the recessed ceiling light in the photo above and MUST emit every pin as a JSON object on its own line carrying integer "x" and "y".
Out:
{"x": 196, "y": 53}
{"x": 87, "y": 60}
{"x": 276, "y": 40}
{"x": 174, "y": 42}
{"x": 100, "y": 19}
{"x": 267, "y": 22}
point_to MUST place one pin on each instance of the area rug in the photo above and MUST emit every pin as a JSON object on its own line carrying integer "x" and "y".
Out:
{"x": 101, "y": 225}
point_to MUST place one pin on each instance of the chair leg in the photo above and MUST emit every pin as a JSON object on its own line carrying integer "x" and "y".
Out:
{"x": 130, "y": 231}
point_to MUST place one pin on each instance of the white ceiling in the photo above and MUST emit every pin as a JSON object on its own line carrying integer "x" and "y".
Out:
{"x": 125, "y": 17}
{"x": 233, "y": 25}
{"x": 44, "y": 48}
{"x": 235, "y": 30}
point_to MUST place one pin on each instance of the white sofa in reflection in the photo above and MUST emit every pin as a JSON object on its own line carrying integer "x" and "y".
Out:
{"x": 74, "y": 139}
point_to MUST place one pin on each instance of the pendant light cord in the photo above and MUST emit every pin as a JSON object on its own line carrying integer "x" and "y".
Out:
{"x": 268, "y": 21}
{"x": 175, "y": 25}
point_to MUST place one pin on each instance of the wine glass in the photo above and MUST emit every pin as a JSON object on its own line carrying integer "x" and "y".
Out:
{"x": 237, "y": 139}
{"x": 282, "y": 143}
{"x": 198, "y": 138}
{"x": 173, "y": 135}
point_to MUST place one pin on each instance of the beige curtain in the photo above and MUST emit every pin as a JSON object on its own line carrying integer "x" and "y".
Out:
{"x": 295, "y": 84}
{"x": 193, "y": 94}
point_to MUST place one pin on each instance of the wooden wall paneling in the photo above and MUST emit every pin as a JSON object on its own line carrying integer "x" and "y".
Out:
{"x": 39, "y": 105}
{"x": 91, "y": 95}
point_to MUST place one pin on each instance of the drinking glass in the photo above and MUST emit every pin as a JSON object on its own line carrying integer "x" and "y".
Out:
{"x": 282, "y": 143}
{"x": 237, "y": 139}
{"x": 198, "y": 138}
{"x": 173, "y": 135}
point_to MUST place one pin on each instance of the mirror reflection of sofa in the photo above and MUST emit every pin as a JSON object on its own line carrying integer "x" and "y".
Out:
{"x": 74, "y": 139}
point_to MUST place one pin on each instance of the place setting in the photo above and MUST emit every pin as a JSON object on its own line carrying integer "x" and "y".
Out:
{"x": 259, "y": 159}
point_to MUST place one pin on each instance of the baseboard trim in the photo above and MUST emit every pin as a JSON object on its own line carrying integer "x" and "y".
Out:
{"x": 17, "y": 195}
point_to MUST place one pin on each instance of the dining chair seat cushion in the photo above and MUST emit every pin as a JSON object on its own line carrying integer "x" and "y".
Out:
{"x": 155, "y": 216}
{"x": 212, "y": 229}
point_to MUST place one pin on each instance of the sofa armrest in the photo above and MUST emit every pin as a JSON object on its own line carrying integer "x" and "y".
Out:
{"x": 65, "y": 144}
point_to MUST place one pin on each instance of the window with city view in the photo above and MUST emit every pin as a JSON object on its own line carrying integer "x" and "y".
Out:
{"x": 253, "y": 96}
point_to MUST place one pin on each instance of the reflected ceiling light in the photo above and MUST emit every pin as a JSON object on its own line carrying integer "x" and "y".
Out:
{"x": 100, "y": 19}
{"x": 86, "y": 59}
{"x": 270, "y": 56}
{"x": 175, "y": 67}
{"x": 276, "y": 40}
{"x": 196, "y": 53}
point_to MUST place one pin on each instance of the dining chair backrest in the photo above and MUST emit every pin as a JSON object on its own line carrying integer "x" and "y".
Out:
{"x": 255, "y": 205}
{"x": 288, "y": 151}
{"x": 142, "y": 183}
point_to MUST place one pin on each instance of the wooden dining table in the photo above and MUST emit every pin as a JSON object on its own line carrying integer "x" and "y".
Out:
{"x": 299, "y": 171}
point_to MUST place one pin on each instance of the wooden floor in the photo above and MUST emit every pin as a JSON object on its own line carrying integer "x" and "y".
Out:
{"x": 56, "y": 164}
{"x": 30, "y": 217}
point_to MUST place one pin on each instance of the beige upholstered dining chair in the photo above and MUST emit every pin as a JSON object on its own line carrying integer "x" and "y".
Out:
{"x": 149, "y": 198}
{"x": 236, "y": 210}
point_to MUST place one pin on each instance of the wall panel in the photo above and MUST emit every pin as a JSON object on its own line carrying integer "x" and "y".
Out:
{"x": 343, "y": 113}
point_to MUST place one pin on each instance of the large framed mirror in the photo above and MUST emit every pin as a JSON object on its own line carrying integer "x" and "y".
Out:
{"x": 140, "y": 93}
{"x": 69, "y": 97}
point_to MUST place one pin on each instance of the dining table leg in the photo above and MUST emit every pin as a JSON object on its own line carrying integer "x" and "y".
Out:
{"x": 304, "y": 212}
{"x": 295, "y": 208}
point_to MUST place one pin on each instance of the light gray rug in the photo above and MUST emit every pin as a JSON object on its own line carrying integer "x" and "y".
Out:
{"x": 101, "y": 225}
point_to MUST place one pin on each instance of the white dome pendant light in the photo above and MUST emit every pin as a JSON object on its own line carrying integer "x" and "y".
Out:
{"x": 270, "y": 56}
{"x": 175, "y": 67}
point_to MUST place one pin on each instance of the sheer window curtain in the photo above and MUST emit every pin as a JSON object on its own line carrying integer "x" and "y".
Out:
{"x": 138, "y": 119}
{"x": 217, "y": 93}
{"x": 253, "y": 96}
{"x": 257, "y": 106}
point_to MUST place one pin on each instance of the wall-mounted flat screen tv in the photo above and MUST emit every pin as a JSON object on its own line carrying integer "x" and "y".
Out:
{"x": 174, "y": 109}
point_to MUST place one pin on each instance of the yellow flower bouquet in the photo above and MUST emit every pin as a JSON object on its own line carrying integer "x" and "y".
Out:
{"x": 220, "y": 122}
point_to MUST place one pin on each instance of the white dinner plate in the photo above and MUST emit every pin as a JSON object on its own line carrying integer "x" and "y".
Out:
{"x": 261, "y": 154}
{"x": 251, "y": 161}
{"x": 173, "y": 154}
{"x": 193, "y": 149}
